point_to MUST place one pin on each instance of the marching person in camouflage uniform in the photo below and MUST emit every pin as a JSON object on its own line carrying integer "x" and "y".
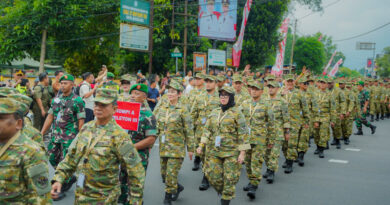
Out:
{"x": 125, "y": 88}
{"x": 42, "y": 97}
{"x": 299, "y": 119}
{"x": 24, "y": 172}
{"x": 199, "y": 87}
{"x": 66, "y": 118}
{"x": 96, "y": 154}
{"x": 205, "y": 103}
{"x": 110, "y": 84}
{"x": 375, "y": 92}
{"x": 174, "y": 128}
{"x": 279, "y": 131}
{"x": 225, "y": 136}
{"x": 347, "y": 123}
{"x": 257, "y": 112}
{"x": 340, "y": 109}
{"x": 364, "y": 99}
{"x": 240, "y": 93}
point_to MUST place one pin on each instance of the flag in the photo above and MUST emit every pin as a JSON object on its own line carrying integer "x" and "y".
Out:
{"x": 237, "y": 47}
{"x": 327, "y": 66}
{"x": 277, "y": 69}
{"x": 335, "y": 68}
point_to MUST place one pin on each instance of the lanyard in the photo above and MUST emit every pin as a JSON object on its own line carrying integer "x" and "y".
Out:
{"x": 250, "y": 111}
{"x": 322, "y": 97}
{"x": 221, "y": 118}
{"x": 6, "y": 146}
{"x": 91, "y": 144}
{"x": 166, "y": 120}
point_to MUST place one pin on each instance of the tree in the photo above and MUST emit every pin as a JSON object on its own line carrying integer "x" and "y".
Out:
{"x": 384, "y": 63}
{"x": 309, "y": 52}
{"x": 347, "y": 72}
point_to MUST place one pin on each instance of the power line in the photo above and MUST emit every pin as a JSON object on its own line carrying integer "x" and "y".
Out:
{"x": 331, "y": 4}
{"x": 365, "y": 33}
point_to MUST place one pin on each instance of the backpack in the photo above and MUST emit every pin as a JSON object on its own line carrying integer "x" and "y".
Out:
{"x": 76, "y": 90}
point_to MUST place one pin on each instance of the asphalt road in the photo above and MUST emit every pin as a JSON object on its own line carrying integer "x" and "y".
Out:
{"x": 356, "y": 174}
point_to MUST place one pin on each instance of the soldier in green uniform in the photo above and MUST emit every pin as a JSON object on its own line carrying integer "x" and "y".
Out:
{"x": 42, "y": 97}
{"x": 375, "y": 93}
{"x": 125, "y": 88}
{"x": 96, "y": 154}
{"x": 24, "y": 172}
{"x": 110, "y": 84}
{"x": 299, "y": 119}
{"x": 382, "y": 100}
{"x": 240, "y": 93}
{"x": 347, "y": 123}
{"x": 340, "y": 109}
{"x": 279, "y": 131}
{"x": 257, "y": 112}
{"x": 66, "y": 118}
{"x": 225, "y": 136}
{"x": 174, "y": 128}
{"x": 199, "y": 87}
{"x": 364, "y": 99}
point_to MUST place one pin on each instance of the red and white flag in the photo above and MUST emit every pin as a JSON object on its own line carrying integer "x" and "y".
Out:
{"x": 277, "y": 69}
{"x": 335, "y": 68}
{"x": 237, "y": 47}
{"x": 327, "y": 66}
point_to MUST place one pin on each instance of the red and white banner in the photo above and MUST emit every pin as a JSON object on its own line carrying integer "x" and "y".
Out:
{"x": 335, "y": 68}
{"x": 277, "y": 69}
{"x": 330, "y": 62}
{"x": 127, "y": 115}
{"x": 237, "y": 47}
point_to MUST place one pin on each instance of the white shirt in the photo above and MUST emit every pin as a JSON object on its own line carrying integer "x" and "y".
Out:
{"x": 188, "y": 89}
{"x": 85, "y": 88}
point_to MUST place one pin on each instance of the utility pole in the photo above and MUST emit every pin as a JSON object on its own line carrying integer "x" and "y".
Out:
{"x": 151, "y": 37}
{"x": 292, "y": 46}
{"x": 43, "y": 52}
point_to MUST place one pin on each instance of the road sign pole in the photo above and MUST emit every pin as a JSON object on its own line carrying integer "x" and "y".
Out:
{"x": 176, "y": 64}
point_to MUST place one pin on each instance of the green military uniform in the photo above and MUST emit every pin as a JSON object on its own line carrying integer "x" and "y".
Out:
{"x": 363, "y": 97}
{"x": 375, "y": 94}
{"x": 243, "y": 95}
{"x": 110, "y": 84}
{"x": 347, "y": 123}
{"x": 24, "y": 173}
{"x": 225, "y": 134}
{"x": 41, "y": 92}
{"x": 340, "y": 108}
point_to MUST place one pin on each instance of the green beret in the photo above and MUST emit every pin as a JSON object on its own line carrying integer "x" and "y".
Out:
{"x": 237, "y": 78}
{"x": 274, "y": 84}
{"x": 10, "y": 106}
{"x": 210, "y": 77}
{"x": 25, "y": 100}
{"x": 175, "y": 85}
{"x": 227, "y": 89}
{"x": 127, "y": 77}
{"x": 361, "y": 83}
{"x": 288, "y": 77}
{"x": 67, "y": 77}
{"x": 110, "y": 75}
{"x": 106, "y": 96}
{"x": 4, "y": 91}
{"x": 140, "y": 87}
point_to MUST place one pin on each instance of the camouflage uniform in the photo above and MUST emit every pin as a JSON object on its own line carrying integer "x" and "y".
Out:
{"x": 305, "y": 133}
{"x": 375, "y": 93}
{"x": 363, "y": 97}
{"x": 325, "y": 115}
{"x": 230, "y": 127}
{"x": 111, "y": 85}
{"x": 40, "y": 92}
{"x": 347, "y": 123}
{"x": 340, "y": 109}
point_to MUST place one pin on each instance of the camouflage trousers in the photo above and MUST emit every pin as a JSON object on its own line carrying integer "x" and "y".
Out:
{"x": 223, "y": 174}
{"x": 198, "y": 135}
{"x": 254, "y": 159}
{"x": 374, "y": 108}
{"x": 336, "y": 130}
{"x": 57, "y": 151}
{"x": 170, "y": 168}
{"x": 303, "y": 139}
{"x": 322, "y": 134}
{"x": 362, "y": 121}
{"x": 346, "y": 127}
{"x": 289, "y": 146}
{"x": 383, "y": 108}
{"x": 272, "y": 152}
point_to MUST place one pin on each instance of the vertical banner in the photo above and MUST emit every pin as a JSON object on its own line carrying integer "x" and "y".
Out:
{"x": 237, "y": 47}
{"x": 199, "y": 62}
{"x": 335, "y": 68}
{"x": 277, "y": 69}
{"x": 330, "y": 62}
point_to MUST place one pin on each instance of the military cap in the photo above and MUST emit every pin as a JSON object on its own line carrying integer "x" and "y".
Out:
{"x": 288, "y": 77}
{"x": 322, "y": 80}
{"x": 141, "y": 87}
{"x": 303, "y": 80}
{"x": 250, "y": 81}
{"x": 67, "y": 77}
{"x": 220, "y": 78}
{"x": 199, "y": 75}
{"x": 175, "y": 85}
{"x": 348, "y": 84}
{"x": 127, "y": 77}
{"x": 25, "y": 100}
{"x": 110, "y": 75}
{"x": 10, "y": 106}
{"x": 361, "y": 83}
{"x": 270, "y": 77}
{"x": 274, "y": 84}
{"x": 106, "y": 96}
{"x": 341, "y": 81}
{"x": 210, "y": 77}
{"x": 4, "y": 91}
{"x": 227, "y": 89}
{"x": 237, "y": 78}
{"x": 257, "y": 85}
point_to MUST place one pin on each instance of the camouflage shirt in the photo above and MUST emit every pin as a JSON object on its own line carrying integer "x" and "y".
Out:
{"x": 33, "y": 134}
{"x": 326, "y": 107}
{"x": 297, "y": 107}
{"x": 363, "y": 96}
{"x": 280, "y": 117}
{"x": 339, "y": 100}
{"x": 111, "y": 85}
{"x": 203, "y": 106}
{"x": 43, "y": 93}
{"x": 66, "y": 110}
{"x": 102, "y": 165}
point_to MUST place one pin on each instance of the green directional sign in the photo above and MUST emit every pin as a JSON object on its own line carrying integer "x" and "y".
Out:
{"x": 135, "y": 11}
{"x": 176, "y": 55}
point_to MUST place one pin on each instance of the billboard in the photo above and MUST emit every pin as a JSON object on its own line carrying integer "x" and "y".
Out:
{"x": 199, "y": 62}
{"x": 134, "y": 37}
{"x": 135, "y": 11}
{"x": 217, "y": 19}
{"x": 217, "y": 57}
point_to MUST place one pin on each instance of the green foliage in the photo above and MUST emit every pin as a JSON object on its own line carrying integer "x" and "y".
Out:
{"x": 384, "y": 64}
{"x": 309, "y": 52}
{"x": 348, "y": 72}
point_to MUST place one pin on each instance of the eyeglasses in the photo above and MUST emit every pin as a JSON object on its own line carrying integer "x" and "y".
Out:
{"x": 223, "y": 96}
{"x": 20, "y": 75}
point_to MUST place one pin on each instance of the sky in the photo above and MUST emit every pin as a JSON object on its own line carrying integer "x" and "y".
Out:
{"x": 345, "y": 19}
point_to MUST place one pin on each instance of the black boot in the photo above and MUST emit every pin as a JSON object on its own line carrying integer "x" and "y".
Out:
{"x": 359, "y": 132}
{"x": 266, "y": 174}
{"x": 205, "y": 184}
{"x": 246, "y": 188}
{"x": 180, "y": 188}
{"x": 382, "y": 116}
{"x": 309, "y": 141}
{"x": 196, "y": 164}
{"x": 300, "y": 159}
{"x": 372, "y": 118}
{"x": 338, "y": 144}
{"x": 284, "y": 164}
{"x": 373, "y": 129}
{"x": 289, "y": 167}
{"x": 168, "y": 199}
{"x": 327, "y": 146}
{"x": 333, "y": 142}
{"x": 271, "y": 176}
{"x": 225, "y": 202}
{"x": 377, "y": 117}
{"x": 346, "y": 141}
{"x": 321, "y": 152}
{"x": 252, "y": 192}
{"x": 317, "y": 150}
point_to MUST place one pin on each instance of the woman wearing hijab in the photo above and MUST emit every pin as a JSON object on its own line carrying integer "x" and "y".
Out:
{"x": 225, "y": 137}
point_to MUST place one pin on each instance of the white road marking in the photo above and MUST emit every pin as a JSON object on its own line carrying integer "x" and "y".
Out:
{"x": 353, "y": 149}
{"x": 339, "y": 161}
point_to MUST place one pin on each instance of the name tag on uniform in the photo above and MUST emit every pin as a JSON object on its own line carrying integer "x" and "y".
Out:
{"x": 319, "y": 110}
{"x": 58, "y": 117}
{"x": 218, "y": 141}
{"x": 162, "y": 138}
{"x": 300, "y": 113}
{"x": 80, "y": 180}
{"x": 57, "y": 100}
{"x": 204, "y": 120}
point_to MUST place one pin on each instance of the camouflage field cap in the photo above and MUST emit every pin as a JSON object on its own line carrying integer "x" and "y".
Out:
{"x": 175, "y": 85}
{"x": 273, "y": 84}
{"x": 106, "y": 96}
{"x": 4, "y": 91}
{"x": 10, "y": 106}
{"x": 127, "y": 77}
{"x": 322, "y": 80}
{"x": 288, "y": 77}
{"x": 270, "y": 77}
{"x": 210, "y": 77}
{"x": 227, "y": 89}
{"x": 110, "y": 75}
{"x": 257, "y": 85}
{"x": 348, "y": 84}
{"x": 141, "y": 87}
{"x": 220, "y": 78}
{"x": 237, "y": 78}
{"x": 199, "y": 75}
{"x": 67, "y": 77}
{"x": 25, "y": 100}
{"x": 341, "y": 81}
{"x": 303, "y": 80}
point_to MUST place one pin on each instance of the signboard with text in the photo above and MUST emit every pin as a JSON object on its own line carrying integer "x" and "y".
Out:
{"x": 135, "y": 11}
{"x": 217, "y": 57}
{"x": 199, "y": 62}
{"x": 134, "y": 37}
{"x": 127, "y": 115}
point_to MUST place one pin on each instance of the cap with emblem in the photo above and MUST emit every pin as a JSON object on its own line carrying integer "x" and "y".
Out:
{"x": 303, "y": 80}
{"x": 10, "y": 106}
{"x": 270, "y": 77}
{"x": 175, "y": 85}
{"x": 210, "y": 77}
{"x": 67, "y": 77}
{"x": 288, "y": 77}
{"x": 106, "y": 96}
{"x": 25, "y": 100}
{"x": 227, "y": 89}
{"x": 341, "y": 81}
{"x": 220, "y": 78}
{"x": 4, "y": 91}
{"x": 348, "y": 84}
{"x": 237, "y": 78}
{"x": 273, "y": 84}
{"x": 127, "y": 77}
{"x": 140, "y": 87}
